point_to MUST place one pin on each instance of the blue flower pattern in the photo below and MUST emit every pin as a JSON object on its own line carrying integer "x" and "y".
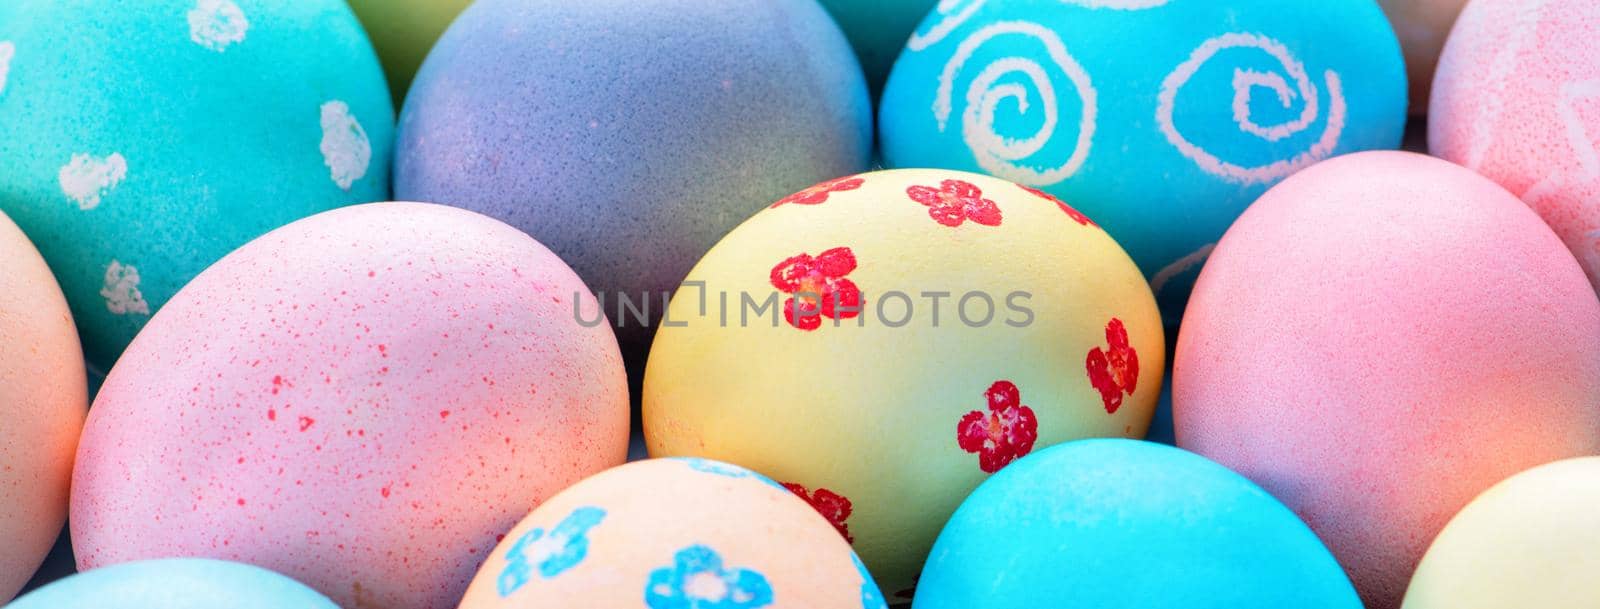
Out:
{"x": 697, "y": 580}
{"x": 724, "y": 469}
{"x": 871, "y": 597}
{"x": 561, "y": 549}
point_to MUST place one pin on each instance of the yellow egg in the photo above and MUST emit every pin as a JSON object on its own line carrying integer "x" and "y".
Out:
{"x": 881, "y": 343}
{"x": 1529, "y": 541}
{"x": 677, "y": 534}
{"x": 43, "y": 397}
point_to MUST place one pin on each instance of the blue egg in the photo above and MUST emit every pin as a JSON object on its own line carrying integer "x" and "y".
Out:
{"x": 1124, "y": 524}
{"x": 1160, "y": 119}
{"x": 630, "y": 135}
{"x": 175, "y": 583}
{"x": 143, "y": 140}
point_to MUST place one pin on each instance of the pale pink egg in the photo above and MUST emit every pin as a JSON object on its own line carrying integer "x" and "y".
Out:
{"x": 363, "y": 400}
{"x": 1517, "y": 98}
{"x": 1377, "y": 340}
{"x": 43, "y": 395}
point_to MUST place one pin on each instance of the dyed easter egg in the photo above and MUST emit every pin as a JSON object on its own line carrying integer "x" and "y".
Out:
{"x": 176, "y": 583}
{"x": 1161, "y": 119}
{"x": 630, "y": 135}
{"x": 883, "y": 342}
{"x": 1526, "y": 542}
{"x": 403, "y": 31}
{"x": 1379, "y": 339}
{"x": 679, "y": 533}
{"x": 142, "y": 143}
{"x": 878, "y": 31}
{"x": 361, "y": 400}
{"x": 1117, "y": 524}
{"x": 1422, "y": 26}
{"x": 1517, "y": 98}
{"x": 43, "y": 395}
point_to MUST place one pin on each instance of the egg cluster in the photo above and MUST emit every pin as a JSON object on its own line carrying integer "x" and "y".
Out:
{"x": 416, "y": 304}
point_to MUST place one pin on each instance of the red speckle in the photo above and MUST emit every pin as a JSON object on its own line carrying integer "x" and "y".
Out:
{"x": 1001, "y": 435}
{"x": 811, "y": 279}
{"x": 819, "y": 193}
{"x": 444, "y": 414}
{"x": 277, "y": 383}
{"x": 384, "y": 491}
{"x": 955, "y": 202}
{"x": 1076, "y": 215}
{"x": 383, "y": 350}
{"x": 241, "y": 501}
{"x": 833, "y": 506}
{"x": 1114, "y": 371}
{"x": 306, "y": 423}
{"x": 372, "y": 273}
{"x": 272, "y": 414}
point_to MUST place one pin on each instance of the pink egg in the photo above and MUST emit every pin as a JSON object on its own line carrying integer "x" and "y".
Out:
{"x": 1517, "y": 98}
{"x": 1378, "y": 339}
{"x": 43, "y": 395}
{"x": 363, "y": 400}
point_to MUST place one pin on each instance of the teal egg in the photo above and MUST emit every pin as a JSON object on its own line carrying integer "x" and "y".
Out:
{"x": 144, "y": 139}
{"x": 175, "y": 583}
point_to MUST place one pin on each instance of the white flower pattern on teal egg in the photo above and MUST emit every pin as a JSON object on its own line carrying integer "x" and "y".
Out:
{"x": 86, "y": 178}
{"x": 217, "y": 24}
{"x": 7, "y": 51}
{"x": 121, "y": 290}
{"x": 345, "y": 148}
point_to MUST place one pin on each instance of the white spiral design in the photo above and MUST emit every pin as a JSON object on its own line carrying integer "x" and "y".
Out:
{"x": 1245, "y": 84}
{"x": 953, "y": 13}
{"x": 996, "y": 153}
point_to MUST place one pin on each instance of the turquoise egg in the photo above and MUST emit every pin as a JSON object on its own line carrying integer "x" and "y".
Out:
{"x": 1160, "y": 119}
{"x": 878, "y": 30}
{"x": 142, "y": 140}
{"x": 175, "y": 583}
{"x": 1124, "y": 524}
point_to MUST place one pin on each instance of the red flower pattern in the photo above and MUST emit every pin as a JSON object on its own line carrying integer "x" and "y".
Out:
{"x": 819, "y": 193}
{"x": 1114, "y": 371}
{"x": 954, "y": 202}
{"x": 1001, "y": 435}
{"x": 833, "y": 506}
{"x": 1077, "y": 216}
{"x": 819, "y": 287}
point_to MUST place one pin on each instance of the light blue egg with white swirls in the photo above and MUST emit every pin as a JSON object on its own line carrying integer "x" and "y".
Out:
{"x": 1160, "y": 119}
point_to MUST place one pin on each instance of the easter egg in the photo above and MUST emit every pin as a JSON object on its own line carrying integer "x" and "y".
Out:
{"x": 878, "y": 31}
{"x": 1377, "y": 340}
{"x": 1160, "y": 119}
{"x": 361, "y": 400}
{"x": 680, "y": 534}
{"x": 1517, "y": 99}
{"x": 144, "y": 142}
{"x": 43, "y": 395}
{"x": 1526, "y": 542}
{"x": 1422, "y": 26}
{"x": 884, "y": 342}
{"x": 175, "y": 583}
{"x": 1126, "y": 524}
{"x": 630, "y": 135}
{"x": 403, "y": 31}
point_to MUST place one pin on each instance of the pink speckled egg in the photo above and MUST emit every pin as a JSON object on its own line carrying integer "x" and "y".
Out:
{"x": 363, "y": 400}
{"x": 1377, "y": 340}
{"x": 43, "y": 395}
{"x": 1517, "y": 98}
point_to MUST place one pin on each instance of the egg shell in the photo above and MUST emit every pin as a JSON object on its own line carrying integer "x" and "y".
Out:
{"x": 1422, "y": 27}
{"x": 1162, "y": 120}
{"x": 887, "y": 418}
{"x": 43, "y": 396}
{"x": 142, "y": 143}
{"x": 630, "y": 135}
{"x": 878, "y": 31}
{"x": 1379, "y": 339}
{"x": 678, "y": 533}
{"x": 1526, "y": 542}
{"x": 1517, "y": 98}
{"x": 361, "y": 400}
{"x": 175, "y": 583}
{"x": 403, "y": 31}
{"x": 1126, "y": 524}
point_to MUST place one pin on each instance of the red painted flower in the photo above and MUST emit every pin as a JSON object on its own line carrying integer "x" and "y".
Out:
{"x": 954, "y": 202}
{"x": 833, "y": 506}
{"x": 819, "y": 193}
{"x": 1076, "y": 215}
{"x": 1001, "y": 435}
{"x": 1114, "y": 371}
{"x": 819, "y": 287}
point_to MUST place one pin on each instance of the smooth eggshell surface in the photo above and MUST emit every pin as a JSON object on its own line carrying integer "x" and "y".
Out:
{"x": 630, "y": 135}
{"x": 1379, "y": 339}
{"x": 1517, "y": 98}
{"x": 1526, "y": 542}
{"x": 145, "y": 141}
{"x": 403, "y": 31}
{"x": 887, "y": 416}
{"x": 362, "y": 400}
{"x": 878, "y": 31}
{"x": 1121, "y": 524}
{"x": 43, "y": 395}
{"x": 677, "y": 534}
{"x": 1422, "y": 26}
{"x": 1161, "y": 119}
{"x": 176, "y": 583}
